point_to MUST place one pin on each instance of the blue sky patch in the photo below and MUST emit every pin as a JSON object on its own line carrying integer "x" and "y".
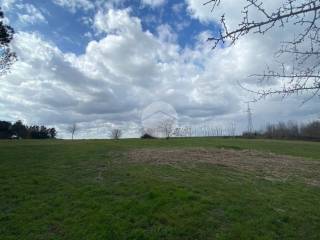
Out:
{"x": 72, "y": 30}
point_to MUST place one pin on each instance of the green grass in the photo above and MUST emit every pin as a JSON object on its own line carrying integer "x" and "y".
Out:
{"x": 53, "y": 190}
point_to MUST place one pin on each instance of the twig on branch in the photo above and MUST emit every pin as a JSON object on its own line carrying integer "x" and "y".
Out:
{"x": 303, "y": 50}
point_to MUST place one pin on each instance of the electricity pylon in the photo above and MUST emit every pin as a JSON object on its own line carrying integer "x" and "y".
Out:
{"x": 250, "y": 122}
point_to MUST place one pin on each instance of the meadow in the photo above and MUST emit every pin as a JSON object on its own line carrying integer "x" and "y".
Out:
{"x": 188, "y": 188}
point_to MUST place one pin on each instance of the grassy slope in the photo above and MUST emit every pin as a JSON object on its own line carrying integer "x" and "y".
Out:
{"x": 50, "y": 190}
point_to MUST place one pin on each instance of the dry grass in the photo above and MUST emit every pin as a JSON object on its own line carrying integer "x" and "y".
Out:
{"x": 266, "y": 165}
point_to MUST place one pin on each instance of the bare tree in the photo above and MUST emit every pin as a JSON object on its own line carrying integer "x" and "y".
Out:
{"x": 292, "y": 130}
{"x": 73, "y": 129}
{"x": 311, "y": 130}
{"x": 218, "y": 131}
{"x": 303, "y": 49}
{"x": 166, "y": 127}
{"x": 115, "y": 134}
{"x": 232, "y": 130}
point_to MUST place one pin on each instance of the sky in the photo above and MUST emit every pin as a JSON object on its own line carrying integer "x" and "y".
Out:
{"x": 101, "y": 63}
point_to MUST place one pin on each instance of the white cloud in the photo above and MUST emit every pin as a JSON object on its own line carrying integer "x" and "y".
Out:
{"x": 88, "y": 5}
{"x": 74, "y": 5}
{"x": 7, "y": 4}
{"x": 116, "y": 21}
{"x": 233, "y": 10}
{"x": 154, "y": 3}
{"x": 130, "y": 68}
{"x": 178, "y": 7}
{"x": 166, "y": 33}
{"x": 31, "y": 14}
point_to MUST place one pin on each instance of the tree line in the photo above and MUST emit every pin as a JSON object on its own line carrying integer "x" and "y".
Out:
{"x": 289, "y": 130}
{"x": 20, "y": 130}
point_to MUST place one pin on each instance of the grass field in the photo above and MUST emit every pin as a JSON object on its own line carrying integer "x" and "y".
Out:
{"x": 200, "y": 188}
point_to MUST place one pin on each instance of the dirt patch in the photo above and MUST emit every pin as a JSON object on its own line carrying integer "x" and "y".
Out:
{"x": 267, "y": 165}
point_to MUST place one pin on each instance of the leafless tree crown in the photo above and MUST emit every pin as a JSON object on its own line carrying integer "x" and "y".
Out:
{"x": 115, "y": 134}
{"x": 73, "y": 129}
{"x": 304, "y": 48}
{"x": 166, "y": 127}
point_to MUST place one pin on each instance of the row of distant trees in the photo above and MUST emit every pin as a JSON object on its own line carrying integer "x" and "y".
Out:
{"x": 281, "y": 130}
{"x": 20, "y": 130}
{"x": 290, "y": 130}
{"x": 168, "y": 129}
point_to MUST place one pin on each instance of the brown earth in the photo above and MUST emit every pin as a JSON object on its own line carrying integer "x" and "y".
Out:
{"x": 267, "y": 165}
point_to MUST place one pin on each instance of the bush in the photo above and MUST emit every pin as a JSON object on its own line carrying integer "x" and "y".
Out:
{"x": 147, "y": 136}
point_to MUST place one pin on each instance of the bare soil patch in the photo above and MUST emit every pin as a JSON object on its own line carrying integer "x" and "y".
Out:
{"x": 267, "y": 165}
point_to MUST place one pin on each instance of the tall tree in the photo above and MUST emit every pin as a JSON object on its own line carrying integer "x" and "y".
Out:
{"x": 19, "y": 129}
{"x": 5, "y": 129}
{"x": 303, "y": 74}
{"x": 7, "y": 57}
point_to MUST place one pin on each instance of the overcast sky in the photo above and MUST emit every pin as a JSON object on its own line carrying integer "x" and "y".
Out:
{"x": 100, "y": 63}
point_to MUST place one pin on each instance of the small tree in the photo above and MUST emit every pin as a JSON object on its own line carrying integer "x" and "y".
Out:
{"x": 166, "y": 127}
{"x": 115, "y": 134}
{"x": 73, "y": 129}
{"x": 52, "y": 133}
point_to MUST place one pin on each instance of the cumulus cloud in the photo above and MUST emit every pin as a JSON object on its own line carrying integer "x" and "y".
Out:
{"x": 124, "y": 71}
{"x": 114, "y": 21}
{"x": 261, "y": 47}
{"x": 233, "y": 10}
